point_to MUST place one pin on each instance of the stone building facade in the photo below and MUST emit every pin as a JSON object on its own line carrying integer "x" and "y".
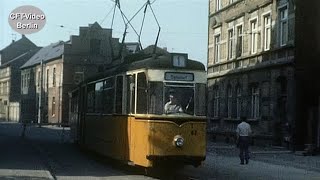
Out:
{"x": 307, "y": 73}
{"x": 56, "y": 69}
{"x": 251, "y": 45}
{"x": 12, "y": 57}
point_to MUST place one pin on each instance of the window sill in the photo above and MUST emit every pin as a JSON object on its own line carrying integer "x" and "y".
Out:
{"x": 215, "y": 119}
{"x": 254, "y": 119}
{"x": 231, "y": 119}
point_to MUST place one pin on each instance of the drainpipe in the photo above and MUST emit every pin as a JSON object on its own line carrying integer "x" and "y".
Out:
{"x": 40, "y": 95}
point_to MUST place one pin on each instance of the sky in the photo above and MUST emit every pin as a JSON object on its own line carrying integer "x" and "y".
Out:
{"x": 184, "y": 23}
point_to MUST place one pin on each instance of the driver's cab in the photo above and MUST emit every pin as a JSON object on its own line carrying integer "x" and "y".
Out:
{"x": 164, "y": 92}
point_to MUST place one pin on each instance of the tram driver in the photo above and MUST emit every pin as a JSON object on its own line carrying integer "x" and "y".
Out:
{"x": 172, "y": 106}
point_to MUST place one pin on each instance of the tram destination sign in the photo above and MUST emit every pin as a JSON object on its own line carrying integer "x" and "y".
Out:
{"x": 175, "y": 76}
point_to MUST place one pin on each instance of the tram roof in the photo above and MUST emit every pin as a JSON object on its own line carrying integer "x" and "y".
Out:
{"x": 140, "y": 61}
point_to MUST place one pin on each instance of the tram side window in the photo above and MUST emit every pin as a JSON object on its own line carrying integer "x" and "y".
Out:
{"x": 142, "y": 94}
{"x": 200, "y": 100}
{"x": 108, "y": 100}
{"x": 74, "y": 102}
{"x": 156, "y": 104}
{"x": 119, "y": 91}
{"x": 98, "y": 97}
{"x": 130, "y": 93}
{"x": 90, "y": 98}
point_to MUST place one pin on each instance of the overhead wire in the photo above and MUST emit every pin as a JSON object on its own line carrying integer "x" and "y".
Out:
{"x": 155, "y": 17}
{"x": 106, "y": 15}
{"x": 127, "y": 22}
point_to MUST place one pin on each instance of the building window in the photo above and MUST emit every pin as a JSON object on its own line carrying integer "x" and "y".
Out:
{"x": 25, "y": 81}
{"x": 254, "y": 102}
{"x": 54, "y": 77}
{"x": 22, "y": 84}
{"x": 238, "y": 102}
{"x": 39, "y": 78}
{"x": 230, "y": 43}
{"x": 217, "y": 48}
{"x": 283, "y": 25}
{"x": 229, "y": 102}
{"x": 8, "y": 86}
{"x": 218, "y": 5}
{"x": 216, "y": 103}
{"x": 1, "y": 88}
{"x": 239, "y": 41}
{"x": 254, "y": 36}
{"x": 266, "y": 32}
{"x": 28, "y": 80}
{"x": 53, "y": 106}
{"x": 47, "y": 82}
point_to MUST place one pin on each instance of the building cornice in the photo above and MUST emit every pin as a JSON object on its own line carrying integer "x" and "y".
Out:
{"x": 265, "y": 65}
{"x": 225, "y": 8}
{"x": 237, "y": 2}
{"x": 252, "y": 56}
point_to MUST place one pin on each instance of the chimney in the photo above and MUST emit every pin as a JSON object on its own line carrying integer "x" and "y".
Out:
{"x": 23, "y": 36}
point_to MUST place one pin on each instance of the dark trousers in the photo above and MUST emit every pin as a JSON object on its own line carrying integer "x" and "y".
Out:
{"x": 244, "y": 148}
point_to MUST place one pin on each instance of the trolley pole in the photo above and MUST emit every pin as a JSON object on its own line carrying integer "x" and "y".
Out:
{"x": 40, "y": 95}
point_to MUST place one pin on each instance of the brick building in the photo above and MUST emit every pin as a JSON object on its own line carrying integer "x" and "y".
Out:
{"x": 56, "y": 69}
{"x": 12, "y": 57}
{"x": 251, "y": 69}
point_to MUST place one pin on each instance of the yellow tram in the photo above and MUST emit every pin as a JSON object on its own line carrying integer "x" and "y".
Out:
{"x": 121, "y": 113}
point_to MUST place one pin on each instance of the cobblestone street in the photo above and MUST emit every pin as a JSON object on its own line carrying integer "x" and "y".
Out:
{"x": 47, "y": 153}
{"x": 274, "y": 155}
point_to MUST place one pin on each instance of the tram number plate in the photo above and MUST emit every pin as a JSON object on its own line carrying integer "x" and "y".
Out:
{"x": 194, "y": 132}
{"x": 173, "y": 76}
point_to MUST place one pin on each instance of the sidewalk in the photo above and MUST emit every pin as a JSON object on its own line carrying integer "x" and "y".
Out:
{"x": 273, "y": 155}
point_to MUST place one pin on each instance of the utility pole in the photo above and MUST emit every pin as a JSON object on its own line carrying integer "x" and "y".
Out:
{"x": 40, "y": 95}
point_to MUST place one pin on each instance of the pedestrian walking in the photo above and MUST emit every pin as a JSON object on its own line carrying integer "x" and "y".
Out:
{"x": 243, "y": 138}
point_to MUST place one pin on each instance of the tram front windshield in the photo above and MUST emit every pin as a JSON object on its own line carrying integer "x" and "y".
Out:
{"x": 176, "y": 99}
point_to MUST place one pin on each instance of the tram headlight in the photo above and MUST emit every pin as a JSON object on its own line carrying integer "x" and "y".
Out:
{"x": 178, "y": 141}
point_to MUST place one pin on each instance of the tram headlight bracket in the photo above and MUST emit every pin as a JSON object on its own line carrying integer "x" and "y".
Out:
{"x": 178, "y": 141}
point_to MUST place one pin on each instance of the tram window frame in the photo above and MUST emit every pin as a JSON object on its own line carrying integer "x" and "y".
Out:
{"x": 156, "y": 97}
{"x": 90, "y": 98}
{"x": 109, "y": 95}
{"x": 74, "y": 102}
{"x": 142, "y": 93}
{"x": 200, "y": 100}
{"x": 131, "y": 93}
{"x": 119, "y": 94}
{"x": 178, "y": 89}
{"x": 99, "y": 97}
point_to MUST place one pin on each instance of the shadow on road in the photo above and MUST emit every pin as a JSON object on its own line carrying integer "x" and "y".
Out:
{"x": 49, "y": 148}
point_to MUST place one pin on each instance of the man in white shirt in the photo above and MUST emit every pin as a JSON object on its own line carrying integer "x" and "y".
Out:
{"x": 243, "y": 133}
{"x": 172, "y": 106}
